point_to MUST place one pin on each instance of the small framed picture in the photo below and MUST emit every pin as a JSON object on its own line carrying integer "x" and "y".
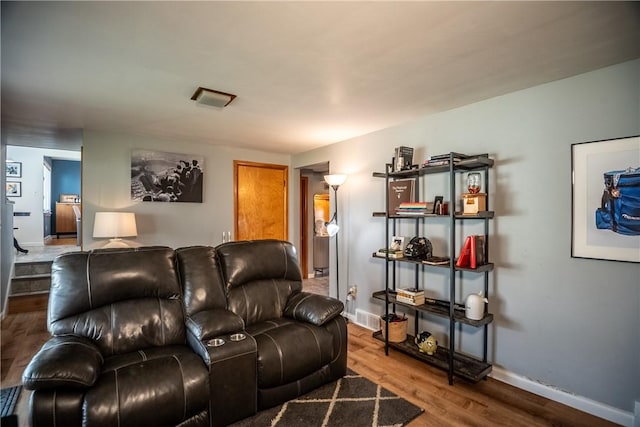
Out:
{"x": 14, "y": 169}
{"x": 14, "y": 189}
{"x": 437, "y": 205}
{"x": 397, "y": 243}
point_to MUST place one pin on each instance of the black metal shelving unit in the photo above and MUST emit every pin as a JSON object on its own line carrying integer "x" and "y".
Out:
{"x": 447, "y": 358}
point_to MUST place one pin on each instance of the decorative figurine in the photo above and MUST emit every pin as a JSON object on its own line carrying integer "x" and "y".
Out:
{"x": 426, "y": 343}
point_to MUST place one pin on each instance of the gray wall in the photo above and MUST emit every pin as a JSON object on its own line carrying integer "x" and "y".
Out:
{"x": 565, "y": 322}
{"x": 106, "y": 185}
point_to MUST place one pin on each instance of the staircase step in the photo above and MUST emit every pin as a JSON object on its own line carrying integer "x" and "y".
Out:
{"x": 28, "y": 285}
{"x": 27, "y": 303}
{"x": 31, "y": 268}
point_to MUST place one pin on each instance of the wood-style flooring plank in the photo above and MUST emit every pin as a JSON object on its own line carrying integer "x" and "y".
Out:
{"x": 487, "y": 403}
{"x": 26, "y": 303}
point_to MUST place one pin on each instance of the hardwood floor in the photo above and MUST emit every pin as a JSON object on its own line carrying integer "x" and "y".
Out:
{"x": 21, "y": 336}
{"x": 487, "y": 403}
{"x": 53, "y": 241}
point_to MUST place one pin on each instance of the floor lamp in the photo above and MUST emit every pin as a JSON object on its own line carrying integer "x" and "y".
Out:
{"x": 335, "y": 181}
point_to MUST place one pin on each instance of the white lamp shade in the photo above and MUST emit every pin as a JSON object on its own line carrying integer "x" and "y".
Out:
{"x": 332, "y": 229}
{"x": 335, "y": 179}
{"x": 115, "y": 224}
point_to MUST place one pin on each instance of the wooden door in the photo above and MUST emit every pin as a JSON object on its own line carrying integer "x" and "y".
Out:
{"x": 260, "y": 200}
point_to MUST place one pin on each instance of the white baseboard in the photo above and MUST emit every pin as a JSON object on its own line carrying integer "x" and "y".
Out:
{"x": 583, "y": 404}
{"x": 350, "y": 317}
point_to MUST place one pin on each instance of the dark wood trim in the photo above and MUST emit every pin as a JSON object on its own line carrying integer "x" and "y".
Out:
{"x": 304, "y": 225}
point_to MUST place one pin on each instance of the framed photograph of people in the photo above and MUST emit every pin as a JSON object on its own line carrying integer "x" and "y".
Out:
{"x": 13, "y": 189}
{"x": 166, "y": 177}
{"x": 605, "y": 198}
{"x": 14, "y": 169}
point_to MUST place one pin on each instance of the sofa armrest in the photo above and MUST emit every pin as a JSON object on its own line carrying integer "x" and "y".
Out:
{"x": 64, "y": 361}
{"x": 208, "y": 324}
{"x": 313, "y": 308}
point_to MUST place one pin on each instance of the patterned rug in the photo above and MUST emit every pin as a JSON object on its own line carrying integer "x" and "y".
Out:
{"x": 352, "y": 401}
{"x": 8, "y": 399}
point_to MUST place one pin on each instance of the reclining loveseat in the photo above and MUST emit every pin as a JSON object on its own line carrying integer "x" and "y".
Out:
{"x": 196, "y": 336}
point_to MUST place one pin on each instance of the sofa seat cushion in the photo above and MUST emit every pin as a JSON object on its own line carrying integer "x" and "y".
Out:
{"x": 289, "y": 350}
{"x": 157, "y": 386}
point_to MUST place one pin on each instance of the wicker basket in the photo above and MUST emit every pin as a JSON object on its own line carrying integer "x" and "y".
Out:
{"x": 397, "y": 330}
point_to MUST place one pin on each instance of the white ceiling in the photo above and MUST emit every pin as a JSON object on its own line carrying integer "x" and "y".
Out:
{"x": 306, "y": 74}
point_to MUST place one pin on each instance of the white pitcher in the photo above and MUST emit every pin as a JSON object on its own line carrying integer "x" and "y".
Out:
{"x": 474, "y": 306}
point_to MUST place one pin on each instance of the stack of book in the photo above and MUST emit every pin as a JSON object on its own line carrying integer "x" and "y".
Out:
{"x": 412, "y": 296}
{"x": 440, "y": 160}
{"x": 403, "y": 159}
{"x": 436, "y": 260}
{"x": 392, "y": 253}
{"x": 472, "y": 253}
{"x": 412, "y": 208}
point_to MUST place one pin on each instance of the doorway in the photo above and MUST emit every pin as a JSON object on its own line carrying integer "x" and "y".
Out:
{"x": 45, "y": 175}
{"x": 65, "y": 194}
{"x": 314, "y": 212}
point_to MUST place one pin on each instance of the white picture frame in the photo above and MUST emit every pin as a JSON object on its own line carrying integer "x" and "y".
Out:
{"x": 396, "y": 243}
{"x": 589, "y": 162}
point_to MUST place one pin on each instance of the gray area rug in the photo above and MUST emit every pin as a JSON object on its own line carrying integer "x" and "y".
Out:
{"x": 8, "y": 399}
{"x": 352, "y": 401}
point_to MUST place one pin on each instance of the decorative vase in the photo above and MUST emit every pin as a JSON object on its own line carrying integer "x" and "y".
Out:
{"x": 474, "y": 182}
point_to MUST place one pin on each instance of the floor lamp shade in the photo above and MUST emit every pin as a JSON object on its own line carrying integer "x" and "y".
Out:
{"x": 114, "y": 225}
{"x": 335, "y": 179}
{"x": 332, "y": 229}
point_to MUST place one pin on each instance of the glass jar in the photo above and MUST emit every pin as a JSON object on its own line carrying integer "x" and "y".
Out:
{"x": 474, "y": 181}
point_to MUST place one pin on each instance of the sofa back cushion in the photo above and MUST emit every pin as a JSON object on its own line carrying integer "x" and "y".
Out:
{"x": 201, "y": 280}
{"x": 260, "y": 276}
{"x": 123, "y": 299}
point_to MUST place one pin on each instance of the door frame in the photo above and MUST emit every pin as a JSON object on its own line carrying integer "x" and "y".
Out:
{"x": 304, "y": 229}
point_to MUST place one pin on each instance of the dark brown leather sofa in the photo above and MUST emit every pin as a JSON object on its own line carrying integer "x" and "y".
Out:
{"x": 130, "y": 332}
{"x": 296, "y": 341}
